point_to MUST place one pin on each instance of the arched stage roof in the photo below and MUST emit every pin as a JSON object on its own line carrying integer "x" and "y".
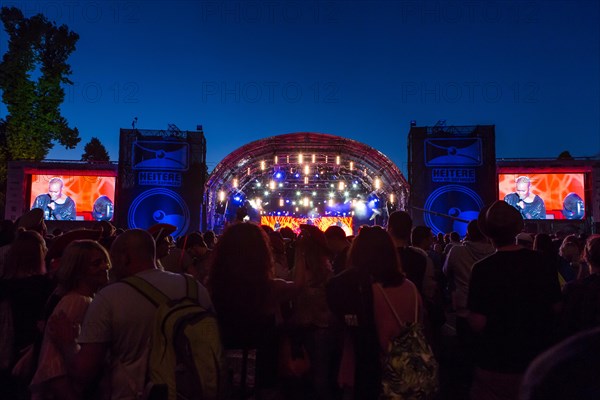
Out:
{"x": 312, "y": 163}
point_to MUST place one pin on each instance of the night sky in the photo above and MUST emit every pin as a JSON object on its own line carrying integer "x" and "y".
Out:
{"x": 246, "y": 70}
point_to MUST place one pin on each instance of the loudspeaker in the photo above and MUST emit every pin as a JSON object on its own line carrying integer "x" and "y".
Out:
{"x": 452, "y": 175}
{"x": 161, "y": 179}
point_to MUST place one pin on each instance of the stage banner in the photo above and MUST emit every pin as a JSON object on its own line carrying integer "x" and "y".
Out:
{"x": 161, "y": 179}
{"x": 452, "y": 175}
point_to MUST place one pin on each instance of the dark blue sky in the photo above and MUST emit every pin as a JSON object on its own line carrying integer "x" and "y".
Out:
{"x": 246, "y": 70}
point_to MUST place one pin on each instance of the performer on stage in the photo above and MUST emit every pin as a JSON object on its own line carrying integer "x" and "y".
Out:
{"x": 56, "y": 204}
{"x": 531, "y": 206}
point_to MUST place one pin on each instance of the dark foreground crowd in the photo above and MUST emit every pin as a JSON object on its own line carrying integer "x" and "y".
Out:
{"x": 499, "y": 314}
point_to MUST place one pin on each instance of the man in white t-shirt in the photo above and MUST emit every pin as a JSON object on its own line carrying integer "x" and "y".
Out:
{"x": 119, "y": 320}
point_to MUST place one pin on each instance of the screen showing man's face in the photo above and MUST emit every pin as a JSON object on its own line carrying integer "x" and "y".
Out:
{"x": 54, "y": 190}
{"x": 522, "y": 190}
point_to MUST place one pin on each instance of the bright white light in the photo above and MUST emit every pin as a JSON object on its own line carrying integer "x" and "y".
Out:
{"x": 341, "y": 186}
{"x": 266, "y": 192}
{"x": 272, "y": 185}
{"x": 281, "y": 185}
{"x": 306, "y": 169}
{"x": 255, "y": 203}
{"x": 360, "y": 208}
{"x": 314, "y": 193}
{"x": 300, "y": 158}
{"x": 305, "y": 202}
{"x": 331, "y": 195}
{"x": 257, "y": 184}
{"x": 337, "y": 160}
{"x": 235, "y": 182}
{"x": 276, "y": 160}
{"x": 346, "y": 194}
{"x": 351, "y": 165}
{"x": 298, "y": 193}
{"x": 281, "y": 202}
{"x": 377, "y": 183}
{"x": 221, "y": 196}
{"x": 392, "y": 198}
{"x": 262, "y": 165}
{"x": 313, "y": 158}
{"x": 330, "y": 202}
{"x": 306, "y": 180}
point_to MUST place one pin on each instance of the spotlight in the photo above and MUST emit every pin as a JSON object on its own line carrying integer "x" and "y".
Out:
{"x": 373, "y": 201}
{"x": 279, "y": 175}
{"x": 238, "y": 198}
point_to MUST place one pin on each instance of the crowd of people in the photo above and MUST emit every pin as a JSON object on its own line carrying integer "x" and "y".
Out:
{"x": 507, "y": 314}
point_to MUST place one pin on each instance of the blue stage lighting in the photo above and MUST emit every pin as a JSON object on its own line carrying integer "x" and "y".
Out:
{"x": 279, "y": 175}
{"x": 373, "y": 201}
{"x": 238, "y": 198}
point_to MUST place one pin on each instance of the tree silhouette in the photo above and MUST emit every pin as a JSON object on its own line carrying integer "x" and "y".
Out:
{"x": 35, "y": 47}
{"x": 565, "y": 155}
{"x": 94, "y": 151}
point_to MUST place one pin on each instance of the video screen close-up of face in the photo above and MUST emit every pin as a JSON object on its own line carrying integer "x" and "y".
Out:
{"x": 74, "y": 197}
{"x": 562, "y": 194}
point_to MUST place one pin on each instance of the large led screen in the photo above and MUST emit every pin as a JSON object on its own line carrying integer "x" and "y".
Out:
{"x": 294, "y": 222}
{"x": 544, "y": 195}
{"x": 74, "y": 197}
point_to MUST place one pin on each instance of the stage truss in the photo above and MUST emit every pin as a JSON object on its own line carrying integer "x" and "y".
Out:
{"x": 320, "y": 175}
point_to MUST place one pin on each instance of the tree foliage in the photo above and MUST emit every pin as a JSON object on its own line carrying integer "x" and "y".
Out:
{"x": 94, "y": 150}
{"x": 565, "y": 155}
{"x": 40, "y": 48}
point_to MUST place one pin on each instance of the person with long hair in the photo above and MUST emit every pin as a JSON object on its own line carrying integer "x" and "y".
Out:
{"x": 24, "y": 287}
{"x": 83, "y": 270}
{"x": 373, "y": 253}
{"x": 246, "y": 295}
{"x": 356, "y": 297}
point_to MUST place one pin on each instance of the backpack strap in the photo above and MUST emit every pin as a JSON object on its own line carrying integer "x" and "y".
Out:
{"x": 191, "y": 287}
{"x": 146, "y": 289}
{"x": 389, "y": 303}
{"x": 154, "y": 295}
{"x": 416, "y": 303}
